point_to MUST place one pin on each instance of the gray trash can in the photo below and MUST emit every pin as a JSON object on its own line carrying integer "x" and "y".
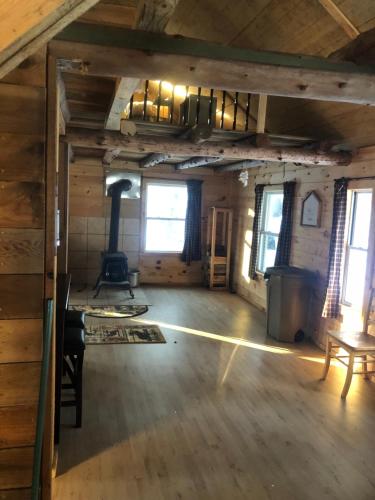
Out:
{"x": 134, "y": 278}
{"x": 289, "y": 295}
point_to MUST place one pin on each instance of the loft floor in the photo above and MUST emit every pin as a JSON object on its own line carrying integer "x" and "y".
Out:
{"x": 208, "y": 416}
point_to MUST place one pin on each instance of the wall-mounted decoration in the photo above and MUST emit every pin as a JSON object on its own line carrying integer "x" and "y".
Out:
{"x": 134, "y": 177}
{"x": 244, "y": 178}
{"x": 311, "y": 210}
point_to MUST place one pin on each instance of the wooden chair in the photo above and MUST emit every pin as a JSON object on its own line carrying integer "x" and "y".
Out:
{"x": 360, "y": 346}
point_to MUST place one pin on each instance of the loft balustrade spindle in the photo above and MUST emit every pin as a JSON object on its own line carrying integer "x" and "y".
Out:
{"x": 235, "y": 111}
{"x": 222, "y": 110}
{"x": 145, "y": 98}
{"x": 247, "y": 112}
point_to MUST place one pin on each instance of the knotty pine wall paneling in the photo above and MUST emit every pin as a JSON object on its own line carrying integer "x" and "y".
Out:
{"x": 310, "y": 246}
{"x": 90, "y": 215}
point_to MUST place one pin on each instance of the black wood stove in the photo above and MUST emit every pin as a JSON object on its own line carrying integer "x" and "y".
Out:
{"x": 114, "y": 270}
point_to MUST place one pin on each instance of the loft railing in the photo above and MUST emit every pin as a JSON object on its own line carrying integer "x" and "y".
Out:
{"x": 47, "y": 337}
{"x": 163, "y": 102}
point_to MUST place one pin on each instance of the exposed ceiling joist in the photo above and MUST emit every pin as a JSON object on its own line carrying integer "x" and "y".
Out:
{"x": 154, "y": 159}
{"x": 341, "y": 19}
{"x": 152, "y": 15}
{"x": 193, "y": 62}
{"x": 179, "y": 147}
{"x": 125, "y": 88}
{"x": 197, "y": 161}
{"x": 262, "y": 112}
{"x": 27, "y": 26}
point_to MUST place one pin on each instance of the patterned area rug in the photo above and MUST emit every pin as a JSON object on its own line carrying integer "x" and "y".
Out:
{"x": 121, "y": 311}
{"x": 103, "y": 333}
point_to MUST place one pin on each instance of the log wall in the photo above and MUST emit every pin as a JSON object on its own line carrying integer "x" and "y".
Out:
{"x": 89, "y": 223}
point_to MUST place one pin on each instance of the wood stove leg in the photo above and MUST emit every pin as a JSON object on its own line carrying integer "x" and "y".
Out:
{"x": 98, "y": 288}
{"x": 97, "y": 282}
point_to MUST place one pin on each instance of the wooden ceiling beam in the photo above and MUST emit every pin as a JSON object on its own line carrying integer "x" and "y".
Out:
{"x": 179, "y": 147}
{"x": 151, "y": 15}
{"x": 109, "y": 51}
{"x": 154, "y": 159}
{"x": 27, "y": 26}
{"x": 262, "y": 112}
{"x": 197, "y": 161}
{"x": 341, "y": 19}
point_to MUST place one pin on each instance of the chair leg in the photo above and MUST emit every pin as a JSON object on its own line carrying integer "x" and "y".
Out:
{"x": 349, "y": 375}
{"x": 328, "y": 358}
{"x": 364, "y": 368}
{"x": 78, "y": 389}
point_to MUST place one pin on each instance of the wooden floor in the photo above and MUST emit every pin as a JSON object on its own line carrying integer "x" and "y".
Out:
{"x": 219, "y": 412}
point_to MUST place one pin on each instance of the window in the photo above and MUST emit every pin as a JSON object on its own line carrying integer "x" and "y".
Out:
{"x": 356, "y": 251}
{"x": 272, "y": 209}
{"x": 165, "y": 217}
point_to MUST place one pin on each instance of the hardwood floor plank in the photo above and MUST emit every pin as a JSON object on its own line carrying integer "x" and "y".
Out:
{"x": 219, "y": 412}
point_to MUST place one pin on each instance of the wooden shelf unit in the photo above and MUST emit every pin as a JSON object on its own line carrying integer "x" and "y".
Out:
{"x": 218, "y": 248}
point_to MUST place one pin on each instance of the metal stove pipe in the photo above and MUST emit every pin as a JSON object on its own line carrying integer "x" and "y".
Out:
{"x": 114, "y": 191}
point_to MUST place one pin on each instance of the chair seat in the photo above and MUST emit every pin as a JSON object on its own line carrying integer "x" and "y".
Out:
{"x": 74, "y": 340}
{"x": 75, "y": 319}
{"x": 354, "y": 341}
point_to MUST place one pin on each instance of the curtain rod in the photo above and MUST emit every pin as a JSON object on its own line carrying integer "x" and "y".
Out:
{"x": 338, "y": 179}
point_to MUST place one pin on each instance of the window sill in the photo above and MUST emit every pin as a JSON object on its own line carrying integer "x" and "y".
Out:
{"x": 158, "y": 254}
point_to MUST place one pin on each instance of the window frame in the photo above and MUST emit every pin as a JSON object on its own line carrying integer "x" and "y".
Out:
{"x": 352, "y": 197}
{"x": 262, "y": 233}
{"x": 158, "y": 182}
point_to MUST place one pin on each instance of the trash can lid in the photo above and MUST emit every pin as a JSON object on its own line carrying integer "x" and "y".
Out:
{"x": 288, "y": 271}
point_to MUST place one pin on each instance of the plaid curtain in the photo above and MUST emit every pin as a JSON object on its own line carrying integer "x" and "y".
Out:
{"x": 336, "y": 250}
{"x": 192, "y": 246}
{"x": 259, "y": 188}
{"x": 285, "y": 236}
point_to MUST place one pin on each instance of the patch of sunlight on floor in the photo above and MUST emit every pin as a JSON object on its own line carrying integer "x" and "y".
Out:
{"x": 320, "y": 360}
{"x": 229, "y": 364}
{"x": 215, "y": 336}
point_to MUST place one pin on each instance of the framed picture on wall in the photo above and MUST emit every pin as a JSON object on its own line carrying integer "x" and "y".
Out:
{"x": 311, "y": 210}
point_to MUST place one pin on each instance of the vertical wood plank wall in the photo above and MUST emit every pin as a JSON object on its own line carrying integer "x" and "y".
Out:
{"x": 22, "y": 250}
{"x": 310, "y": 246}
{"x": 89, "y": 223}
